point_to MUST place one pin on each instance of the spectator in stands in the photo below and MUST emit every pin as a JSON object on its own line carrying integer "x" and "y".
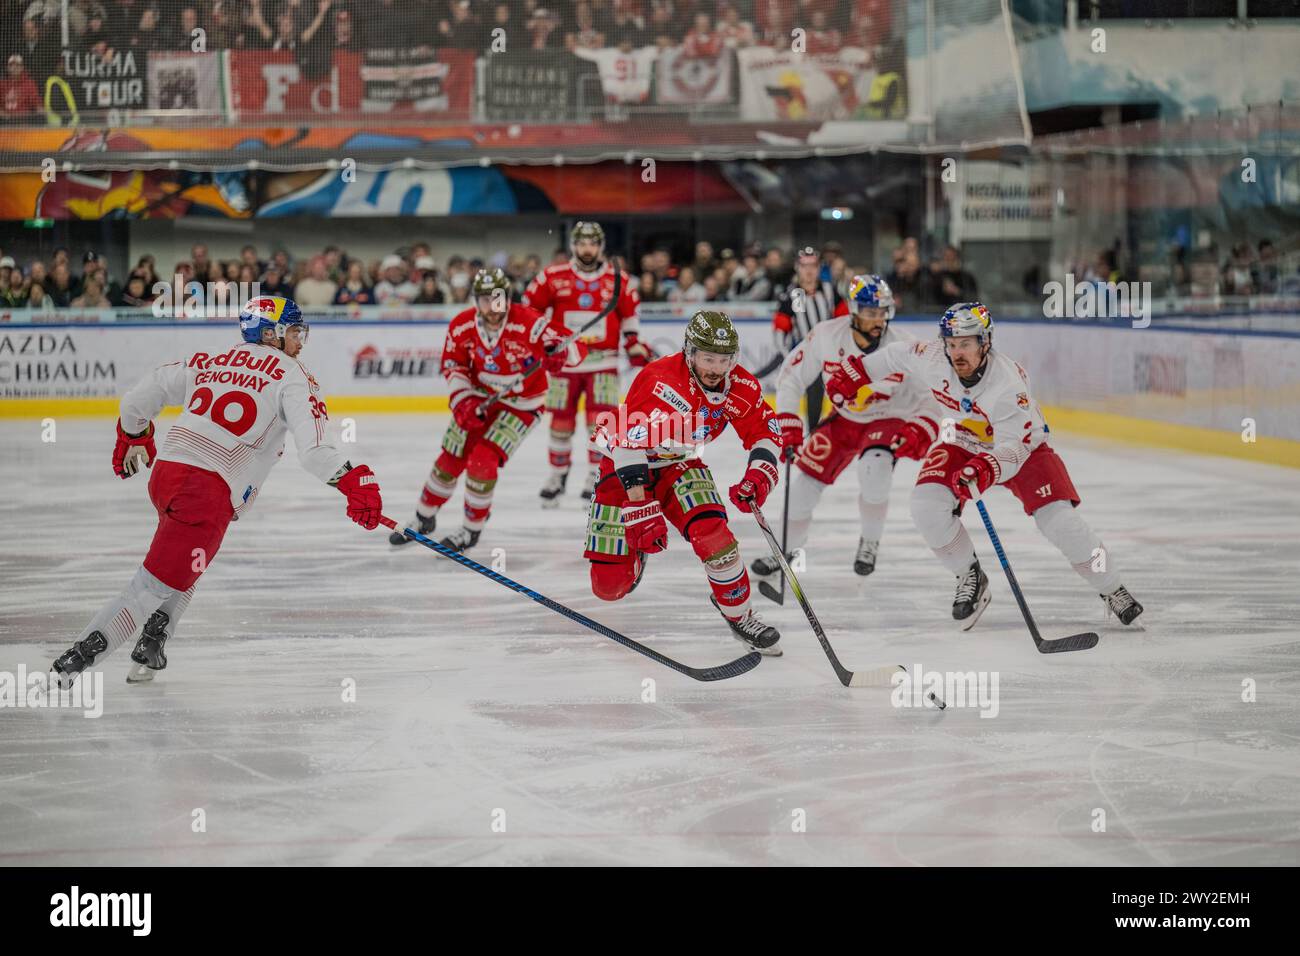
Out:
{"x": 93, "y": 266}
{"x": 430, "y": 292}
{"x": 146, "y": 35}
{"x": 286, "y": 33}
{"x": 395, "y": 287}
{"x": 543, "y": 30}
{"x": 735, "y": 32}
{"x": 38, "y": 300}
{"x": 584, "y": 35}
{"x": 97, "y": 27}
{"x": 749, "y": 283}
{"x": 503, "y": 18}
{"x": 39, "y": 51}
{"x": 663, "y": 25}
{"x": 628, "y": 27}
{"x": 11, "y": 283}
{"x": 146, "y": 267}
{"x": 93, "y": 296}
{"x": 48, "y": 12}
{"x": 778, "y": 270}
{"x": 687, "y": 290}
{"x": 461, "y": 29}
{"x": 318, "y": 288}
{"x": 248, "y": 257}
{"x": 532, "y": 266}
{"x": 1238, "y": 272}
{"x": 247, "y": 275}
{"x": 199, "y": 259}
{"x": 823, "y": 38}
{"x": 18, "y": 94}
{"x": 182, "y": 36}
{"x": 704, "y": 263}
{"x": 135, "y": 295}
{"x": 775, "y": 21}
{"x": 335, "y": 263}
{"x": 702, "y": 40}
{"x": 1266, "y": 272}
{"x": 37, "y": 273}
{"x": 648, "y": 287}
{"x": 355, "y": 290}
{"x": 949, "y": 282}
{"x": 275, "y": 281}
{"x": 905, "y": 280}
{"x": 1204, "y": 275}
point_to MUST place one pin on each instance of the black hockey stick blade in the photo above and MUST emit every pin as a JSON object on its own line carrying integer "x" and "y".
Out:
{"x": 1074, "y": 642}
{"x": 735, "y": 668}
{"x": 848, "y": 678}
{"x": 771, "y": 593}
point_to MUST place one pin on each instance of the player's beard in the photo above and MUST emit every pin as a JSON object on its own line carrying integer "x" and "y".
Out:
{"x": 588, "y": 263}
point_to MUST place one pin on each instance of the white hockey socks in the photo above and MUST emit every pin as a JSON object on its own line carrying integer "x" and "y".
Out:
{"x": 1061, "y": 524}
{"x": 932, "y": 506}
{"x": 875, "y": 477}
{"x": 122, "y": 617}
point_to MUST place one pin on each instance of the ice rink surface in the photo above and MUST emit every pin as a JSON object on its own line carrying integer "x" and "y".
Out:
{"x": 489, "y": 730}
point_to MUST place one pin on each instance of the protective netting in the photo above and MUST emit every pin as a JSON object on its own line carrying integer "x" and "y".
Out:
{"x": 441, "y": 82}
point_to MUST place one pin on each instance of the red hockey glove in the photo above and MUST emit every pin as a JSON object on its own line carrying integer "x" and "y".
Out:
{"x": 982, "y": 469}
{"x": 555, "y": 357}
{"x": 791, "y": 426}
{"x": 644, "y": 526}
{"x": 466, "y": 413}
{"x": 638, "y": 353}
{"x": 843, "y": 386}
{"x": 131, "y": 450}
{"x": 362, "y": 488}
{"x": 753, "y": 489}
{"x": 913, "y": 441}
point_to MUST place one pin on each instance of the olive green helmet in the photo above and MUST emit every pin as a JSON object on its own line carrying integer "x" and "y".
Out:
{"x": 487, "y": 281}
{"x": 712, "y": 331}
{"x": 586, "y": 230}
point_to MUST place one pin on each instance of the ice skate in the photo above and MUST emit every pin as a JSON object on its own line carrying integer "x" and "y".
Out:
{"x": 972, "y": 596}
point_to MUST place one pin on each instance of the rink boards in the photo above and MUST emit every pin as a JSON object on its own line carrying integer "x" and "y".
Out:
{"x": 1225, "y": 392}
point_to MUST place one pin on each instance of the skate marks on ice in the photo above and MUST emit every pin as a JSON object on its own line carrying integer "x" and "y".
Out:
{"x": 470, "y": 699}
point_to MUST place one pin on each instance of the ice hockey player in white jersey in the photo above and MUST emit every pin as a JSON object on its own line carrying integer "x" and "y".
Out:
{"x": 992, "y": 432}
{"x": 887, "y": 421}
{"x": 238, "y": 407}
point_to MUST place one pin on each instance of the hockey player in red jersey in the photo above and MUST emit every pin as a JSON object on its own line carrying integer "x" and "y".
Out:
{"x": 488, "y": 347}
{"x": 651, "y": 473}
{"x": 239, "y": 405}
{"x": 575, "y": 292}
{"x": 992, "y": 433}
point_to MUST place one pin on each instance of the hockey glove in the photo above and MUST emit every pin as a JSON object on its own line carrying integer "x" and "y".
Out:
{"x": 844, "y": 385}
{"x": 644, "y": 527}
{"x": 791, "y": 426}
{"x": 753, "y": 489}
{"x": 467, "y": 414}
{"x": 131, "y": 450}
{"x": 362, "y": 488}
{"x": 638, "y": 353}
{"x": 913, "y": 441}
{"x": 982, "y": 469}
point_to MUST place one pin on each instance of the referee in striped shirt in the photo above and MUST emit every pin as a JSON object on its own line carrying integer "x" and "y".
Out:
{"x": 809, "y": 299}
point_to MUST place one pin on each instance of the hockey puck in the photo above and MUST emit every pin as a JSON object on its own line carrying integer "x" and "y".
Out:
{"x": 938, "y": 703}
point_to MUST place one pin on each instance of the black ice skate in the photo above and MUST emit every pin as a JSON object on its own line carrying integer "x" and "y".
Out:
{"x": 1122, "y": 605}
{"x": 423, "y": 525}
{"x": 589, "y": 486}
{"x": 765, "y": 567}
{"x": 77, "y": 658}
{"x": 553, "y": 489}
{"x": 972, "y": 596}
{"x": 864, "y": 562}
{"x": 752, "y": 632}
{"x": 148, "y": 656}
{"x": 461, "y": 541}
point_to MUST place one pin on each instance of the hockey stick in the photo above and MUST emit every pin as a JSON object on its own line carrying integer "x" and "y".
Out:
{"x": 722, "y": 672}
{"x": 764, "y": 588}
{"x": 878, "y": 677}
{"x": 1074, "y": 642}
{"x": 563, "y": 344}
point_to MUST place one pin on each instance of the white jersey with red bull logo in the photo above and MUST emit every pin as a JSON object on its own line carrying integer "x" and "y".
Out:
{"x": 996, "y": 416}
{"x": 237, "y": 408}
{"x": 821, "y": 352}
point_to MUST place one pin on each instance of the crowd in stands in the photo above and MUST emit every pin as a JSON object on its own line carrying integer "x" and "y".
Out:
{"x": 33, "y": 31}
{"x": 755, "y": 273}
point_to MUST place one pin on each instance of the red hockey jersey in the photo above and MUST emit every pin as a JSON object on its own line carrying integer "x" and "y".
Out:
{"x": 576, "y": 297}
{"x": 667, "y": 416}
{"x": 473, "y": 360}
